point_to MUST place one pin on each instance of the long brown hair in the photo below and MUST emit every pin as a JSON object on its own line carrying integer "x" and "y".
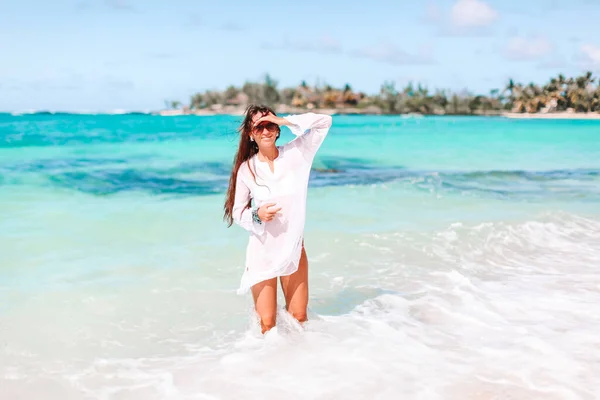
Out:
{"x": 246, "y": 149}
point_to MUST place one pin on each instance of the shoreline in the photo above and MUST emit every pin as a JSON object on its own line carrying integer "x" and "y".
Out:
{"x": 558, "y": 115}
{"x": 510, "y": 115}
{"x": 563, "y": 115}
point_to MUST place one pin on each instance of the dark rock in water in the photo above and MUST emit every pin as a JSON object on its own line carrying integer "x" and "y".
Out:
{"x": 328, "y": 170}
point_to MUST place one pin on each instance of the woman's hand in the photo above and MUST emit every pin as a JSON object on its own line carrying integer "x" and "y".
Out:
{"x": 272, "y": 118}
{"x": 267, "y": 212}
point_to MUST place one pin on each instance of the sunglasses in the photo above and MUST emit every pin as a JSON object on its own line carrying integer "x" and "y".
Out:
{"x": 270, "y": 126}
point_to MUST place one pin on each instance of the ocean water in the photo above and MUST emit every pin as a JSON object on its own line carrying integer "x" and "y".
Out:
{"x": 449, "y": 258}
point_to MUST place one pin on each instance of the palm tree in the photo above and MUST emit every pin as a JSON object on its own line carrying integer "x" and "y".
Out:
{"x": 439, "y": 101}
{"x": 212, "y": 98}
{"x": 196, "y": 101}
{"x": 510, "y": 87}
{"x": 330, "y": 96}
{"x": 388, "y": 95}
{"x": 348, "y": 96}
{"x": 519, "y": 97}
{"x": 577, "y": 92}
{"x": 231, "y": 93}
{"x": 270, "y": 92}
{"x": 596, "y": 100}
{"x": 287, "y": 95}
{"x": 254, "y": 91}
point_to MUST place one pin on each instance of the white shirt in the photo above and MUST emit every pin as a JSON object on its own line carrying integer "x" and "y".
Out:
{"x": 274, "y": 247}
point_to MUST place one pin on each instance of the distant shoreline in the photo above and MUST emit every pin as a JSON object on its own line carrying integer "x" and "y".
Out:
{"x": 556, "y": 115}
{"x": 564, "y": 115}
{"x": 354, "y": 111}
{"x": 561, "y": 97}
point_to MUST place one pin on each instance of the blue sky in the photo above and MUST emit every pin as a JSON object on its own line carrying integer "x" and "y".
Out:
{"x": 101, "y": 55}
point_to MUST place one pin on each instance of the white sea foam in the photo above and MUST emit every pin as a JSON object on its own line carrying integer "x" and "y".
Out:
{"x": 489, "y": 310}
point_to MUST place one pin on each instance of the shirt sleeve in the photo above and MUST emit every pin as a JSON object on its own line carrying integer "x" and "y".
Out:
{"x": 311, "y": 130}
{"x": 242, "y": 215}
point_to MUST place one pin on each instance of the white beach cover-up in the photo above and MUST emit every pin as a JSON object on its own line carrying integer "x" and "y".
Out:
{"x": 274, "y": 247}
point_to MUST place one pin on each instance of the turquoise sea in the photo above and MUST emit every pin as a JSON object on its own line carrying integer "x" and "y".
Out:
{"x": 449, "y": 258}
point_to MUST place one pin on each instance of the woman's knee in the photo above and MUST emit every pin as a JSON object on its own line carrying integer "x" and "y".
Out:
{"x": 267, "y": 321}
{"x": 299, "y": 315}
{"x": 265, "y": 302}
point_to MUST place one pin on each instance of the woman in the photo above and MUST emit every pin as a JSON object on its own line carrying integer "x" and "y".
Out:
{"x": 267, "y": 197}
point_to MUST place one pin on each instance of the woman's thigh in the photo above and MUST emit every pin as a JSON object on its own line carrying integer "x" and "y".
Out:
{"x": 295, "y": 289}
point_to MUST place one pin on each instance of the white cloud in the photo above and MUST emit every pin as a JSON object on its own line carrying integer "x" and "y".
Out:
{"x": 526, "y": 49}
{"x": 461, "y": 17}
{"x": 391, "y": 54}
{"x": 591, "y": 54}
{"x": 383, "y": 52}
{"x": 472, "y": 14}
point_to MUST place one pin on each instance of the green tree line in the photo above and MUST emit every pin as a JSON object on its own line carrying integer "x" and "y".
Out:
{"x": 577, "y": 94}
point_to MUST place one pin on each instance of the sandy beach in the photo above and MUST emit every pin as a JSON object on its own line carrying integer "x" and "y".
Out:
{"x": 561, "y": 115}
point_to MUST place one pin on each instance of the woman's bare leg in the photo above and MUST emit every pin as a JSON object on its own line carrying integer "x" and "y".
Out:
{"x": 265, "y": 302}
{"x": 295, "y": 289}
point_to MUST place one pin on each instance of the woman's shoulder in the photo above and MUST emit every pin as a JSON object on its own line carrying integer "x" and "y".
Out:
{"x": 243, "y": 168}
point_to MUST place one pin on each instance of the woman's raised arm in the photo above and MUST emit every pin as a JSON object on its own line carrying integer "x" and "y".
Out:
{"x": 311, "y": 130}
